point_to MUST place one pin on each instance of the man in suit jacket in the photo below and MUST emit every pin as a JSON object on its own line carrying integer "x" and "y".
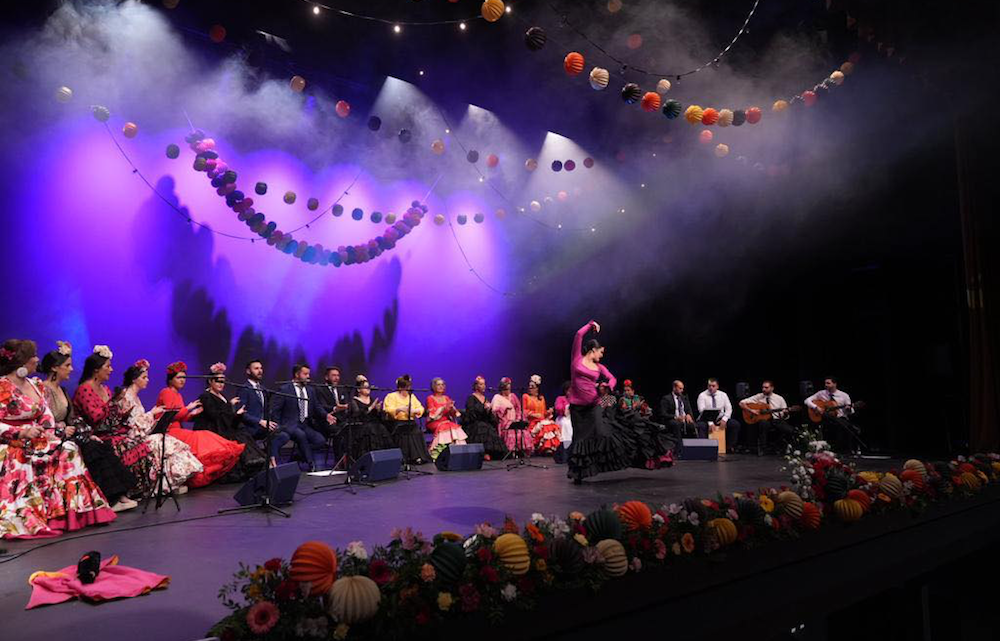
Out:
{"x": 333, "y": 398}
{"x": 297, "y": 414}
{"x": 676, "y": 409}
{"x": 252, "y": 401}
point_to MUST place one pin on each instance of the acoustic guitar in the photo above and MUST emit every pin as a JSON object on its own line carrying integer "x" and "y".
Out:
{"x": 830, "y": 406}
{"x": 765, "y": 412}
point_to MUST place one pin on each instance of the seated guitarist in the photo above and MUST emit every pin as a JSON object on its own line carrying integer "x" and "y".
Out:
{"x": 777, "y": 408}
{"x": 834, "y": 406}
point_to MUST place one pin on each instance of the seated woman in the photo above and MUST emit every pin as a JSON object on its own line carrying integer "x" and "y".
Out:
{"x": 632, "y": 402}
{"x": 180, "y": 463}
{"x": 480, "y": 423}
{"x": 45, "y": 489}
{"x": 441, "y": 413}
{"x": 217, "y": 455}
{"x": 104, "y": 466}
{"x": 507, "y": 409}
{"x": 220, "y": 416}
{"x": 561, "y": 409}
{"x": 544, "y": 431}
{"x": 402, "y": 407}
{"x": 364, "y": 431}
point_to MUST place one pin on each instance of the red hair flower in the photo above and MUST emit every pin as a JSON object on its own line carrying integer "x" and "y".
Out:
{"x": 177, "y": 367}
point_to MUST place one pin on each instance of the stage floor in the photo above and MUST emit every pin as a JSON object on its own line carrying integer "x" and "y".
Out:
{"x": 200, "y": 550}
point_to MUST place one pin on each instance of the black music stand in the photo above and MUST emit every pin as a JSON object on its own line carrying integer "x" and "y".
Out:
{"x": 348, "y": 461}
{"x": 161, "y": 475}
{"x": 524, "y": 460}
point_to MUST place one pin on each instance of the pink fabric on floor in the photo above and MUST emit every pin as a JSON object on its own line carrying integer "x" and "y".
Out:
{"x": 114, "y": 582}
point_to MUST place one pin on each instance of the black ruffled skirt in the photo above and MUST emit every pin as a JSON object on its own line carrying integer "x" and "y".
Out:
{"x": 407, "y": 436}
{"x": 252, "y": 460}
{"x": 487, "y": 434}
{"x": 358, "y": 438}
{"x": 111, "y": 475}
{"x": 609, "y": 440}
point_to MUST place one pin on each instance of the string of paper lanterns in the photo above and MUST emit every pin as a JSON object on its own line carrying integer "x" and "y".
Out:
{"x": 489, "y": 11}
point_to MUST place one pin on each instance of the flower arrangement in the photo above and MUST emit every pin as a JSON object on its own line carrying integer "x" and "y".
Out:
{"x": 64, "y": 348}
{"x": 399, "y": 590}
{"x": 103, "y": 351}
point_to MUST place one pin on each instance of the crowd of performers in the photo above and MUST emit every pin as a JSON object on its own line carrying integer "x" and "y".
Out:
{"x": 72, "y": 460}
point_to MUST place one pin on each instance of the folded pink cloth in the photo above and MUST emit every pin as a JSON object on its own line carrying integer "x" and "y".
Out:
{"x": 114, "y": 582}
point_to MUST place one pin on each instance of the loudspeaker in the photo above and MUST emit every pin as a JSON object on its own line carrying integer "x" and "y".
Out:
{"x": 699, "y": 449}
{"x": 284, "y": 480}
{"x": 461, "y": 457}
{"x": 742, "y": 390}
{"x": 378, "y": 465}
{"x": 806, "y": 389}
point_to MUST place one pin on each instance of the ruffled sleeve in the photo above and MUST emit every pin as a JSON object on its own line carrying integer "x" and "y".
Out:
{"x": 91, "y": 407}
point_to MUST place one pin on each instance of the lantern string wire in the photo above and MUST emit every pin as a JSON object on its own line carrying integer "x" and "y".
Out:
{"x": 402, "y": 23}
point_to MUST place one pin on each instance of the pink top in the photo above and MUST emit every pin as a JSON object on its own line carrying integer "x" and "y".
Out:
{"x": 562, "y": 406}
{"x": 583, "y": 380}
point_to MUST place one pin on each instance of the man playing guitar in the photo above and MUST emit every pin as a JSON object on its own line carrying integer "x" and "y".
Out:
{"x": 765, "y": 412}
{"x": 831, "y": 407}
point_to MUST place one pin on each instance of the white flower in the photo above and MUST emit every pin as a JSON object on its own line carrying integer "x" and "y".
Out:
{"x": 64, "y": 348}
{"x": 658, "y": 519}
{"x": 693, "y": 518}
{"x": 469, "y": 541}
{"x": 357, "y": 550}
{"x": 103, "y": 351}
{"x": 560, "y": 526}
{"x": 636, "y": 564}
{"x": 767, "y": 519}
{"x": 537, "y": 518}
{"x": 674, "y": 508}
{"x": 798, "y": 453}
{"x": 509, "y": 592}
{"x": 733, "y": 514}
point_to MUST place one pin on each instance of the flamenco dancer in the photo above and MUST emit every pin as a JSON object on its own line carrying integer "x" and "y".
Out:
{"x": 601, "y": 445}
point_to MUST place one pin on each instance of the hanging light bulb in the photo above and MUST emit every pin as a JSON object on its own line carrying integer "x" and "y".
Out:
{"x": 397, "y": 29}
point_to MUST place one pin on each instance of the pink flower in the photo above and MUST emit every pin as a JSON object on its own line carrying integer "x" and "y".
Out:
{"x": 427, "y": 573}
{"x": 661, "y": 549}
{"x": 379, "y": 572}
{"x": 636, "y": 564}
{"x": 486, "y": 530}
{"x": 262, "y": 616}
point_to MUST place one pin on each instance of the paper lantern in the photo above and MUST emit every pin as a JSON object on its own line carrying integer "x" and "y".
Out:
{"x": 603, "y": 524}
{"x": 569, "y": 165}
{"x": 353, "y": 599}
{"x": 171, "y": 4}
{"x": 635, "y": 515}
{"x": 811, "y": 516}
{"x": 790, "y": 504}
{"x": 492, "y": 10}
{"x": 614, "y": 6}
{"x": 557, "y": 165}
{"x": 914, "y": 464}
{"x": 462, "y": 219}
{"x": 535, "y": 206}
{"x": 567, "y": 556}
{"x": 312, "y": 204}
{"x": 300, "y": 250}
{"x": 357, "y": 213}
{"x": 343, "y": 108}
{"x": 809, "y": 98}
{"x": 837, "y": 484}
{"x": 501, "y": 213}
{"x": 725, "y": 117}
{"x": 513, "y": 553}
{"x": 869, "y": 477}
{"x": 130, "y": 130}
{"x": 390, "y": 218}
{"x": 779, "y": 106}
{"x": 217, "y": 33}
{"x": 315, "y": 563}
{"x": 914, "y": 477}
{"x": 970, "y": 481}
{"x": 848, "y": 510}
{"x": 101, "y": 113}
{"x": 64, "y": 94}
{"x": 631, "y": 93}
{"x": 448, "y": 560}
{"x": 837, "y": 77}
{"x": 750, "y": 511}
{"x": 573, "y": 63}
{"x": 439, "y": 219}
{"x": 705, "y": 137}
{"x": 492, "y": 161}
{"x": 847, "y": 68}
{"x": 861, "y": 497}
{"x": 438, "y": 147}
{"x": 891, "y": 486}
{"x": 531, "y": 164}
{"x": 614, "y": 556}
{"x": 721, "y": 150}
{"x": 753, "y": 115}
{"x": 562, "y": 196}
{"x": 479, "y": 217}
{"x": 588, "y": 162}
{"x": 472, "y": 156}
{"x": 709, "y": 117}
{"x": 599, "y": 78}
{"x": 534, "y": 38}
{"x": 650, "y": 101}
{"x": 405, "y": 135}
{"x": 672, "y": 109}
{"x": 693, "y": 114}
{"x": 289, "y": 197}
{"x": 739, "y": 117}
{"x": 724, "y": 531}
{"x": 374, "y": 123}
{"x": 634, "y": 41}
{"x": 200, "y": 164}
{"x": 663, "y": 86}
{"x": 173, "y": 151}
{"x": 297, "y": 83}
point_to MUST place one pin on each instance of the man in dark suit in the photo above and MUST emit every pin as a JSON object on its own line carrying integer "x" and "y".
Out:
{"x": 252, "y": 401}
{"x": 676, "y": 409}
{"x": 333, "y": 397}
{"x": 297, "y": 414}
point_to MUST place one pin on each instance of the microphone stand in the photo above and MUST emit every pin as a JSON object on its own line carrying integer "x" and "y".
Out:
{"x": 348, "y": 462}
{"x": 407, "y": 468}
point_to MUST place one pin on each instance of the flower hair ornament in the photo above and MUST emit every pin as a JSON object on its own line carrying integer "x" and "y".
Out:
{"x": 64, "y": 348}
{"x": 142, "y": 363}
{"x": 218, "y": 368}
{"x": 6, "y": 354}
{"x": 627, "y": 383}
{"x": 103, "y": 351}
{"x": 360, "y": 378}
{"x": 177, "y": 368}
{"x": 506, "y": 381}
{"x": 536, "y": 379}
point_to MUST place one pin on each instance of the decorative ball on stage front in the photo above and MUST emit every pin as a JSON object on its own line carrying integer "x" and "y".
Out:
{"x": 438, "y": 146}
{"x": 614, "y": 556}
{"x": 837, "y": 77}
{"x": 357, "y": 213}
{"x": 603, "y": 524}
{"x": 790, "y": 503}
{"x": 631, "y": 93}
{"x": 672, "y": 109}
{"x": 448, "y": 560}
{"x": 914, "y": 464}
{"x": 567, "y": 556}
{"x": 663, "y": 86}
{"x": 709, "y": 117}
{"x": 562, "y": 196}
{"x": 651, "y": 101}
{"x": 531, "y": 164}
{"x": 472, "y": 156}
{"x": 479, "y": 217}
{"x": 753, "y": 115}
{"x": 534, "y": 38}
{"x": 811, "y": 516}
{"x": 739, "y": 117}
{"x": 891, "y": 485}
{"x": 315, "y": 563}
{"x": 462, "y": 219}
{"x": 130, "y": 130}
{"x": 374, "y": 123}
{"x": 635, "y": 515}
{"x": 599, "y": 78}
{"x": 848, "y": 510}
{"x": 557, "y": 165}
{"x": 693, "y": 114}
{"x": 569, "y": 165}
{"x": 725, "y": 117}
{"x": 217, "y": 33}
{"x": 173, "y": 151}
{"x": 353, "y": 599}
{"x": 535, "y": 206}
{"x": 289, "y": 197}
{"x": 573, "y": 63}
{"x": 512, "y": 551}
{"x": 405, "y": 135}
{"x": 861, "y": 497}
{"x": 312, "y": 204}
{"x": 493, "y": 10}
{"x": 914, "y": 478}
{"x": 438, "y": 219}
{"x": 809, "y": 98}
{"x": 724, "y": 531}
{"x": 721, "y": 150}
{"x": 779, "y": 106}
{"x": 588, "y": 162}
{"x": 705, "y": 137}
{"x": 297, "y": 83}
{"x": 260, "y": 188}
{"x": 64, "y": 94}
{"x": 492, "y": 161}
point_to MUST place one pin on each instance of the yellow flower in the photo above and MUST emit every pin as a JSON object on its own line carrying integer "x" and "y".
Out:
{"x": 767, "y": 504}
{"x": 581, "y": 539}
{"x": 540, "y": 565}
{"x": 340, "y": 632}
{"x": 444, "y": 600}
{"x": 253, "y": 592}
{"x": 688, "y": 542}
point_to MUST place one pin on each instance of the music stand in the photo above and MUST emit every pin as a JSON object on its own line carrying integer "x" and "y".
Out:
{"x": 161, "y": 475}
{"x": 524, "y": 460}
{"x": 348, "y": 461}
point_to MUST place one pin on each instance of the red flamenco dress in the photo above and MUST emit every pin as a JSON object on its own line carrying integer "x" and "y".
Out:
{"x": 217, "y": 455}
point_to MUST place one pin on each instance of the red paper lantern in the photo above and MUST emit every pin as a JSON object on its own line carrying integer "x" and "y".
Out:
{"x": 492, "y": 161}
{"x": 343, "y": 108}
{"x": 753, "y": 115}
{"x": 709, "y": 117}
{"x": 809, "y": 97}
{"x": 217, "y": 33}
{"x": 650, "y": 101}
{"x": 705, "y": 137}
{"x": 573, "y": 63}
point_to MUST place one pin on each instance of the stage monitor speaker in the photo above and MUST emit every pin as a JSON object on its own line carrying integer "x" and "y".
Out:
{"x": 806, "y": 389}
{"x": 458, "y": 458}
{"x": 699, "y": 449}
{"x": 742, "y": 390}
{"x": 284, "y": 480}
{"x": 378, "y": 465}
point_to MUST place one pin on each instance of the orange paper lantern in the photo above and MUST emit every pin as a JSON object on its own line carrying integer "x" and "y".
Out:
{"x": 493, "y": 10}
{"x": 914, "y": 477}
{"x": 810, "y": 516}
{"x": 709, "y": 117}
{"x": 650, "y": 101}
{"x": 635, "y": 515}
{"x": 573, "y": 63}
{"x": 861, "y": 497}
{"x": 315, "y": 563}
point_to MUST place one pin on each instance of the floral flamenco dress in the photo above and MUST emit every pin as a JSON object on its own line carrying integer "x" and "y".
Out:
{"x": 217, "y": 455}
{"x": 45, "y": 489}
{"x": 446, "y": 430}
{"x": 543, "y": 429}
{"x": 180, "y": 463}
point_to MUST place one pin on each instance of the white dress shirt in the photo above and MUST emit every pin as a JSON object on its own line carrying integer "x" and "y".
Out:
{"x": 775, "y": 401}
{"x": 839, "y": 397}
{"x": 721, "y": 403}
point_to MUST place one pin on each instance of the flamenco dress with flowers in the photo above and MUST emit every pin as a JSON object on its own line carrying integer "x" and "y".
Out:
{"x": 180, "y": 462}
{"x": 446, "y": 431}
{"x": 508, "y": 411}
{"x": 217, "y": 455}
{"x": 45, "y": 489}
{"x": 544, "y": 431}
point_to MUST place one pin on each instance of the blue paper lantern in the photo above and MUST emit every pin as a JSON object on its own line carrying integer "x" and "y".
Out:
{"x": 260, "y": 188}
{"x": 462, "y": 219}
{"x": 173, "y": 151}
{"x": 337, "y": 210}
{"x": 376, "y": 217}
{"x": 557, "y": 165}
{"x": 479, "y": 217}
{"x": 357, "y": 214}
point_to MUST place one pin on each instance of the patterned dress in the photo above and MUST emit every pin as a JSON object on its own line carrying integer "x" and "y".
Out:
{"x": 180, "y": 462}
{"x": 45, "y": 489}
{"x": 446, "y": 431}
{"x": 508, "y": 411}
{"x": 111, "y": 426}
{"x": 217, "y": 455}
{"x": 544, "y": 431}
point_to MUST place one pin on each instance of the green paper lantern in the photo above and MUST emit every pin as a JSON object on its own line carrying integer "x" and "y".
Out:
{"x": 449, "y": 562}
{"x": 603, "y": 524}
